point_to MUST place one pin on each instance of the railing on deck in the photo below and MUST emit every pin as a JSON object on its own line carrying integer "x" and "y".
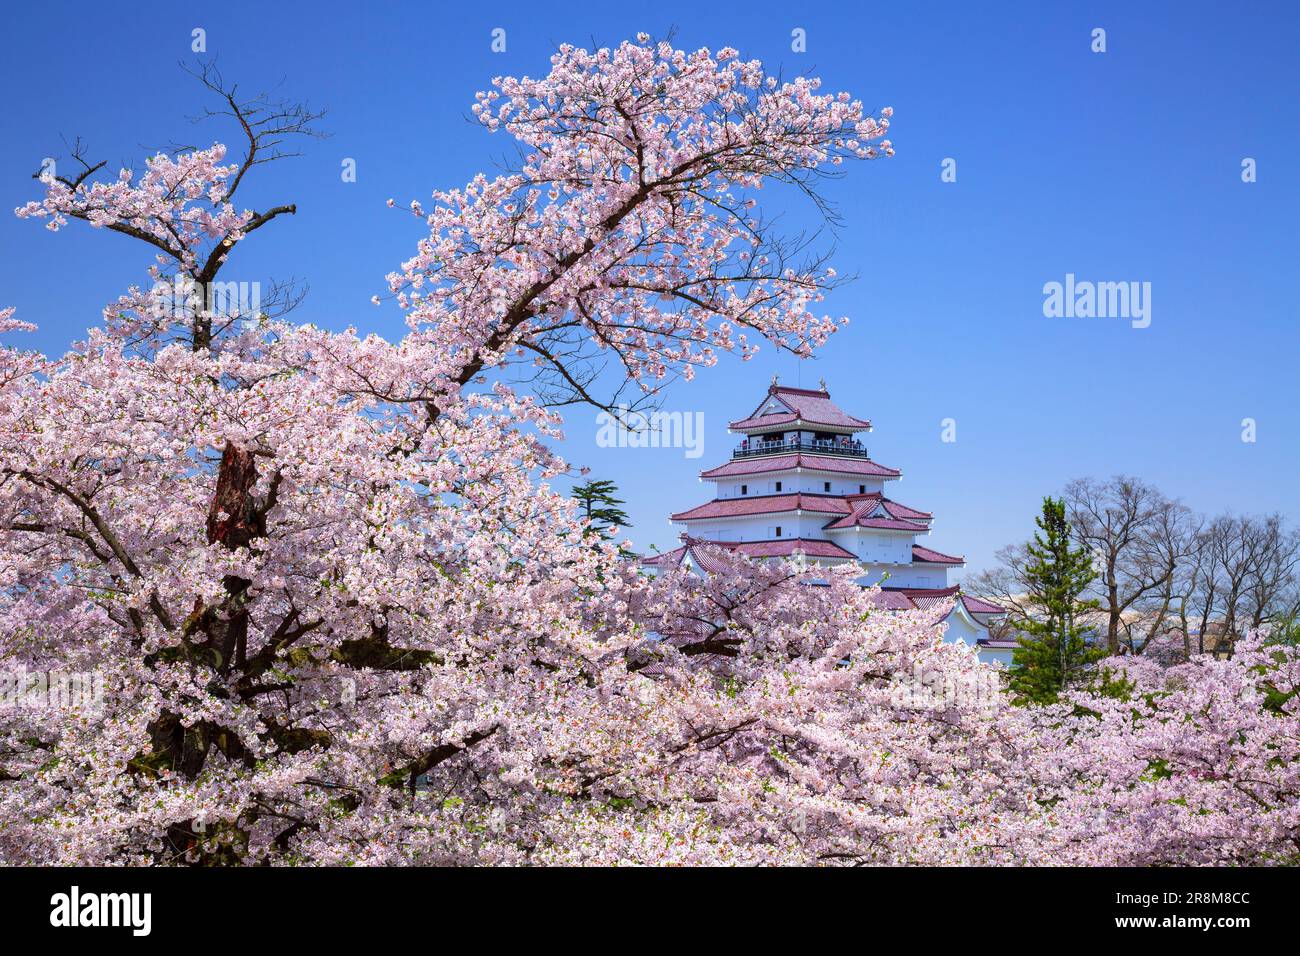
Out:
{"x": 752, "y": 449}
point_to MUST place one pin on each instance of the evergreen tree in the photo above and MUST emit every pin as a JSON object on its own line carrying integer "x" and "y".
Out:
{"x": 1054, "y": 653}
{"x": 602, "y": 509}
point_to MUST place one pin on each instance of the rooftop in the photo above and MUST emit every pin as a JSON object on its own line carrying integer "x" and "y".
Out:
{"x": 766, "y": 504}
{"x": 810, "y": 462}
{"x": 871, "y": 510}
{"x": 922, "y": 555}
{"x": 780, "y": 548}
{"x": 784, "y": 405}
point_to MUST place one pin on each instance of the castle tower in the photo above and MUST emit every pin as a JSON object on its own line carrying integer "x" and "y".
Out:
{"x": 801, "y": 484}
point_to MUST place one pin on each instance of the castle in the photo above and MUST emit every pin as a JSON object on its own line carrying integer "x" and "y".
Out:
{"x": 801, "y": 484}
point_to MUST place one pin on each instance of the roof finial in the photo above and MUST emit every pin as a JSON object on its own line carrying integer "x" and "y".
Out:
{"x": 774, "y": 380}
{"x": 822, "y": 382}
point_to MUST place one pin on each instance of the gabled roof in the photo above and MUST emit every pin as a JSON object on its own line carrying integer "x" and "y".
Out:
{"x": 876, "y": 511}
{"x": 844, "y": 466}
{"x": 784, "y": 405}
{"x": 873, "y": 502}
{"x": 907, "y": 599}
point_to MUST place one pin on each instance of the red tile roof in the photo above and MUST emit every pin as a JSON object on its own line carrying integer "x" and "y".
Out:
{"x": 765, "y": 421}
{"x": 999, "y": 643}
{"x": 904, "y": 599}
{"x": 766, "y": 504}
{"x": 866, "y": 513}
{"x": 784, "y": 547}
{"x": 979, "y": 606}
{"x": 665, "y": 557}
{"x": 802, "y": 404}
{"x": 775, "y": 548}
{"x": 930, "y": 556}
{"x": 930, "y": 597}
{"x": 846, "y": 466}
{"x": 869, "y": 501}
{"x": 893, "y": 601}
{"x": 880, "y": 524}
{"x": 854, "y": 511}
{"x": 674, "y": 558}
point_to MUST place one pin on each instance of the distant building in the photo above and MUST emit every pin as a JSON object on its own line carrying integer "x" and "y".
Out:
{"x": 801, "y": 485}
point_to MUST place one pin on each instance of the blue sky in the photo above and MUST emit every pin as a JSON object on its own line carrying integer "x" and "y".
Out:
{"x": 1119, "y": 166}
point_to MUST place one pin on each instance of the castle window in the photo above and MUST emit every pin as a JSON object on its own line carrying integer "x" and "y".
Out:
{"x": 826, "y": 486}
{"x": 744, "y": 489}
{"x": 778, "y": 531}
{"x": 862, "y": 489}
{"x": 778, "y": 486}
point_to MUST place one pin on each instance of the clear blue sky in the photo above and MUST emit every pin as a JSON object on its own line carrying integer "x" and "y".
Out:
{"x": 1117, "y": 166}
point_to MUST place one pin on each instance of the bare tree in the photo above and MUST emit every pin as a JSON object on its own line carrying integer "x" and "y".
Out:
{"x": 1139, "y": 538}
{"x": 1271, "y": 592}
{"x": 1237, "y": 547}
{"x": 1190, "y": 577}
{"x": 1008, "y": 585}
{"x": 1206, "y": 572}
{"x": 1162, "y": 553}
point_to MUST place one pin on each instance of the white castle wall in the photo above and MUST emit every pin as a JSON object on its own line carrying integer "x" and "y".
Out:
{"x": 759, "y": 528}
{"x": 905, "y": 576}
{"x": 880, "y": 546}
{"x": 810, "y": 483}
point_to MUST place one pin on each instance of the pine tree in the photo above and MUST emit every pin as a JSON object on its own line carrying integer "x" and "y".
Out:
{"x": 1054, "y": 654}
{"x": 601, "y": 508}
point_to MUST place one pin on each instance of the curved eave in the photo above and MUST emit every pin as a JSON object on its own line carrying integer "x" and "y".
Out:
{"x": 885, "y": 474}
{"x": 911, "y": 529}
{"x": 749, "y": 426}
{"x": 687, "y": 516}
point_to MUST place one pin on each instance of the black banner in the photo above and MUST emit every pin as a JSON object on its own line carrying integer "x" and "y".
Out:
{"x": 300, "y": 906}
